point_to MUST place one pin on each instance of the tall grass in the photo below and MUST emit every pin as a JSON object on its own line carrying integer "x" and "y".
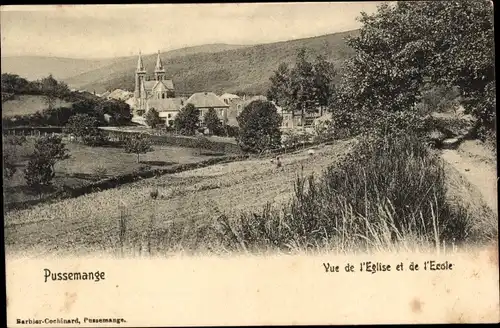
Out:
{"x": 388, "y": 194}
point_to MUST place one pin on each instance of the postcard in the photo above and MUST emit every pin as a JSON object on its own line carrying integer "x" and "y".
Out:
{"x": 306, "y": 163}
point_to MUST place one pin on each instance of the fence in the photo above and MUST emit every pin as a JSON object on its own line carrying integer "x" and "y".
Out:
{"x": 30, "y": 131}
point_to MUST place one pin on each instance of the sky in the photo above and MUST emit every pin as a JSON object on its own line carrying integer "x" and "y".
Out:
{"x": 105, "y": 31}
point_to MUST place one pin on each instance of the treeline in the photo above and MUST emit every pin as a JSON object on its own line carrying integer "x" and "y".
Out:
{"x": 14, "y": 84}
{"x": 106, "y": 112}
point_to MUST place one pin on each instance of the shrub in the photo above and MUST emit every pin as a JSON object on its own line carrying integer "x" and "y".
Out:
{"x": 389, "y": 193}
{"x": 138, "y": 145}
{"x": 259, "y": 127}
{"x": 153, "y": 118}
{"x": 187, "y": 121}
{"x": 39, "y": 174}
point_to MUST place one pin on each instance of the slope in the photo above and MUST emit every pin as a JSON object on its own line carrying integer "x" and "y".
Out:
{"x": 36, "y": 67}
{"x": 93, "y": 79}
{"x": 247, "y": 69}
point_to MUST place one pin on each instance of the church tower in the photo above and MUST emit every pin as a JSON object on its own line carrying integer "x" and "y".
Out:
{"x": 140, "y": 73}
{"x": 159, "y": 69}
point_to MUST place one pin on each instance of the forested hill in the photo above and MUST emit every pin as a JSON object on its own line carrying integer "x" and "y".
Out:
{"x": 245, "y": 69}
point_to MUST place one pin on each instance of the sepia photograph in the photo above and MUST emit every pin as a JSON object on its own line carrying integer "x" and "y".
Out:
{"x": 249, "y": 163}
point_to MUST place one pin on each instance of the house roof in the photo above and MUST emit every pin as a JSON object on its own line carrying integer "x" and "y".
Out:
{"x": 120, "y": 94}
{"x": 229, "y": 96}
{"x": 165, "y": 105}
{"x": 206, "y": 100}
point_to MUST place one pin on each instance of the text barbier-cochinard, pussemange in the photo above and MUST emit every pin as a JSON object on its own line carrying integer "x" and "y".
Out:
{"x": 64, "y": 321}
{"x": 65, "y": 276}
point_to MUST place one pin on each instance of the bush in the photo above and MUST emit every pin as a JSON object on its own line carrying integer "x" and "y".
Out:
{"x": 388, "y": 192}
{"x": 259, "y": 127}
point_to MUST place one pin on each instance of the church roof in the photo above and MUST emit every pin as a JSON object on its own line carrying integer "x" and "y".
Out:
{"x": 206, "y": 100}
{"x": 167, "y": 104}
{"x": 150, "y": 85}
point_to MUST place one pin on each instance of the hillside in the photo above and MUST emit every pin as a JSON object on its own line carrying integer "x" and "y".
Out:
{"x": 37, "y": 67}
{"x": 93, "y": 79}
{"x": 247, "y": 69}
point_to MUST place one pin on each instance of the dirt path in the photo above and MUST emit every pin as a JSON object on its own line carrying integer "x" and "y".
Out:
{"x": 478, "y": 168}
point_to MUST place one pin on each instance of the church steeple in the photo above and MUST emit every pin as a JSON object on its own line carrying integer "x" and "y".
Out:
{"x": 140, "y": 65}
{"x": 159, "y": 69}
{"x": 140, "y": 73}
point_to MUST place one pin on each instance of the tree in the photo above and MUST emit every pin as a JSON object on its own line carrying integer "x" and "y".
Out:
{"x": 39, "y": 174}
{"x": 51, "y": 149}
{"x": 259, "y": 124}
{"x": 14, "y": 83}
{"x": 153, "y": 118}
{"x": 117, "y": 109}
{"x": 401, "y": 48}
{"x": 10, "y": 154}
{"x": 84, "y": 127}
{"x": 280, "y": 89}
{"x": 138, "y": 145}
{"x": 324, "y": 74}
{"x": 188, "y": 120}
{"x": 212, "y": 122}
{"x": 304, "y": 87}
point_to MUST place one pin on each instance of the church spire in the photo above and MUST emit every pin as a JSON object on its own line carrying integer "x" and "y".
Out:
{"x": 140, "y": 65}
{"x": 159, "y": 70}
{"x": 159, "y": 64}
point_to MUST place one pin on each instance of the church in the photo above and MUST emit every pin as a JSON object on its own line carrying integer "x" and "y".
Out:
{"x": 158, "y": 92}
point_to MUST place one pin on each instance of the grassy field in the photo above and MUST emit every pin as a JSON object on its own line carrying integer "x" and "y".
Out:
{"x": 88, "y": 164}
{"x": 363, "y": 197}
{"x": 27, "y": 104}
{"x": 90, "y": 223}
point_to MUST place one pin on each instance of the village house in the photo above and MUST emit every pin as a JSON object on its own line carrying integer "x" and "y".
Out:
{"x": 236, "y": 106}
{"x": 204, "y": 101}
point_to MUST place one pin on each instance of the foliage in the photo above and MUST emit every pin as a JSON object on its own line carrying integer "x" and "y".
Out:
{"x": 402, "y": 49}
{"x": 213, "y": 123}
{"x": 187, "y": 120}
{"x": 85, "y": 128}
{"x": 306, "y": 87}
{"x": 153, "y": 118}
{"x": 231, "y": 131}
{"x": 10, "y": 154}
{"x": 47, "y": 86}
{"x": 259, "y": 124}
{"x": 39, "y": 174}
{"x": 387, "y": 192}
{"x": 138, "y": 145}
{"x": 119, "y": 111}
{"x": 51, "y": 89}
{"x": 51, "y": 149}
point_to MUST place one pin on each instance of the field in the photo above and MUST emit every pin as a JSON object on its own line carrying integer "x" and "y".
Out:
{"x": 87, "y": 164}
{"x": 27, "y": 104}
{"x": 90, "y": 223}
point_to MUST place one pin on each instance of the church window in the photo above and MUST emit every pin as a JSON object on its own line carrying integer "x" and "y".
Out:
{"x": 162, "y": 96}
